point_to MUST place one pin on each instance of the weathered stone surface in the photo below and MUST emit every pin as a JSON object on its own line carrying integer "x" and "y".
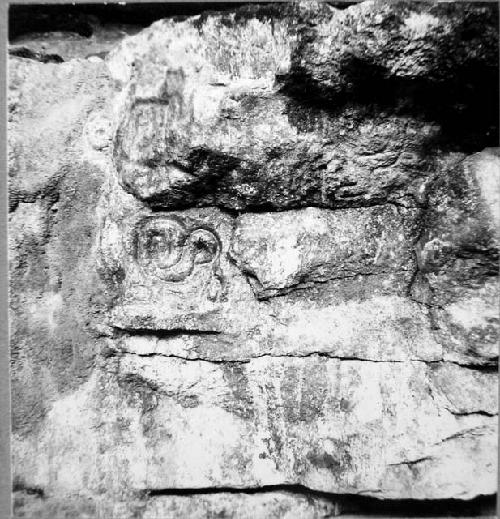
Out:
{"x": 44, "y": 130}
{"x": 194, "y": 302}
{"x": 205, "y": 123}
{"x": 313, "y": 245}
{"x": 458, "y": 257}
{"x": 428, "y": 41}
{"x": 368, "y": 428}
{"x": 452, "y": 381}
{"x": 382, "y": 328}
{"x": 242, "y": 283}
{"x": 56, "y": 296}
{"x": 31, "y": 504}
{"x": 246, "y": 506}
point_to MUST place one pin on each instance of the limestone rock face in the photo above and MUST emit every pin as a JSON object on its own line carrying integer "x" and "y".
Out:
{"x": 458, "y": 257}
{"x": 56, "y": 295}
{"x": 432, "y": 43}
{"x": 245, "y": 285}
{"x": 220, "y": 130}
{"x": 311, "y": 245}
{"x": 43, "y": 129}
{"x": 280, "y": 504}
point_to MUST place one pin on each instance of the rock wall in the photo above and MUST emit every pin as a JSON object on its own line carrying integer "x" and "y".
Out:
{"x": 254, "y": 264}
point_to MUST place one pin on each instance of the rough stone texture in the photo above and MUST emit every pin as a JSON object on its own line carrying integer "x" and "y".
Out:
{"x": 221, "y": 132}
{"x": 432, "y": 43}
{"x": 458, "y": 257}
{"x": 243, "y": 284}
{"x": 314, "y": 245}
{"x": 54, "y": 186}
{"x": 163, "y": 421}
{"x": 280, "y": 504}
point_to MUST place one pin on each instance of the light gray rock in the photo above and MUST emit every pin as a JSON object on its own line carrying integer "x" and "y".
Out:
{"x": 340, "y": 426}
{"x": 44, "y": 130}
{"x": 281, "y": 251}
{"x": 193, "y": 301}
{"x": 246, "y": 506}
{"x": 55, "y": 181}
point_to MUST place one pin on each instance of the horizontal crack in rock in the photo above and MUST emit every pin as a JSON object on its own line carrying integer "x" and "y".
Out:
{"x": 479, "y": 412}
{"x": 179, "y": 332}
{"x": 295, "y": 287}
{"x": 348, "y": 502}
{"x": 411, "y": 462}
{"x": 161, "y": 334}
{"x": 271, "y": 356}
{"x": 473, "y": 431}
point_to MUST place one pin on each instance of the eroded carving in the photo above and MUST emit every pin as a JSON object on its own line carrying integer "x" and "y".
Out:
{"x": 170, "y": 248}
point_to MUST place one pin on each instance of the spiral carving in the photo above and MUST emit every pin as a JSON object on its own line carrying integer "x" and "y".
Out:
{"x": 169, "y": 249}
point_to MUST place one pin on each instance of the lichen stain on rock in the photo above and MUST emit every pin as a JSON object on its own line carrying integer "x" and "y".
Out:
{"x": 239, "y": 401}
{"x": 59, "y": 264}
{"x": 304, "y": 390}
{"x": 338, "y": 461}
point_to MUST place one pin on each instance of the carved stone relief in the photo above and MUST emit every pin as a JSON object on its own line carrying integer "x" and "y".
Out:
{"x": 170, "y": 249}
{"x": 255, "y": 261}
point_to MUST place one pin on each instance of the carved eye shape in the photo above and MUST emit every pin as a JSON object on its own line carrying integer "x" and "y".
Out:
{"x": 205, "y": 246}
{"x": 157, "y": 244}
{"x": 160, "y": 243}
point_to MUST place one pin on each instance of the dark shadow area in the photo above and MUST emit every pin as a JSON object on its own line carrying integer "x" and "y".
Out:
{"x": 24, "y": 19}
{"x": 19, "y": 486}
{"x": 359, "y": 505}
{"x": 458, "y": 88}
{"x": 465, "y": 106}
{"x": 24, "y": 52}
